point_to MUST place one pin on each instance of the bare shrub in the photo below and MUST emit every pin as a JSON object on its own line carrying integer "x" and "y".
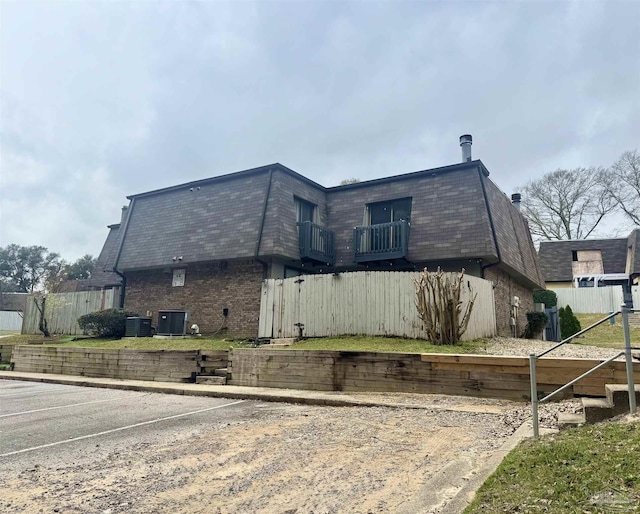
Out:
{"x": 440, "y": 307}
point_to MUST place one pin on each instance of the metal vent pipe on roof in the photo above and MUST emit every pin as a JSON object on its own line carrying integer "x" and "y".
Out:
{"x": 515, "y": 200}
{"x": 465, "y": 143}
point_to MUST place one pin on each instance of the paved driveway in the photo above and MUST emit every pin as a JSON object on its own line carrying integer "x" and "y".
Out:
{"x": 73, "y": 449}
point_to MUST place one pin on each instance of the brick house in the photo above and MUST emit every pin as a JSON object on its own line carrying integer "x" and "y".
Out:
{"x": 592, "y": 262}
{"x": 206, "y": 246}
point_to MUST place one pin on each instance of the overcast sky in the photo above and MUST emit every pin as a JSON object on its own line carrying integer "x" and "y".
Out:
{"x": 99, "y": 100}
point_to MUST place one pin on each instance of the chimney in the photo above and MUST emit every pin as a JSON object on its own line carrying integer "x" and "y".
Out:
{"x": 515, "y": 200}
{"x": 125, "y": 209}
{"x": 465, "y": 143}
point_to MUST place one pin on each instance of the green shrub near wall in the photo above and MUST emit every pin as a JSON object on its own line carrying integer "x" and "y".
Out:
{"x": 106, "y": 323}
{"x": 569, "y": 324}
{"x": 548, "y": 297}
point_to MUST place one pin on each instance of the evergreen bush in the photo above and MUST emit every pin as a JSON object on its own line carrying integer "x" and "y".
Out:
{"x": 569, "y": 324}
{"x": 107, "y": 323}
{"x": 536, "y": 321}
{"x": 546, "y": 296}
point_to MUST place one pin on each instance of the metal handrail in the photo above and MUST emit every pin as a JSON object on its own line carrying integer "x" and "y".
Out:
{"x": 629, "y": 367}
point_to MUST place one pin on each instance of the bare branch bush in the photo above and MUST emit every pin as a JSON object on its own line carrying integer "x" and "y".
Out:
{"x": 440, "y": 307}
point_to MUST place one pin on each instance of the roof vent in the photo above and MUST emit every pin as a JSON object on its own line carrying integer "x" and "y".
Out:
{"x": 515, "y": 200}
{"x": 465, "y": 142}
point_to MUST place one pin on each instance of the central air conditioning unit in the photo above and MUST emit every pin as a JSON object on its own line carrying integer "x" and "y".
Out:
{"x": 138, "y": 327}
{"x": 171, "y": 323}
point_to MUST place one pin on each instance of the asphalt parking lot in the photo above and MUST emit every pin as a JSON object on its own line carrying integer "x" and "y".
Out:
{"x": 74, "y": 449}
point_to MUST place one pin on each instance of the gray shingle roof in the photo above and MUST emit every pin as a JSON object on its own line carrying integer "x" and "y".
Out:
{"x": 220, "y": 218}
{"x": 556, "y": 256}
{"x": 103, "y": 275}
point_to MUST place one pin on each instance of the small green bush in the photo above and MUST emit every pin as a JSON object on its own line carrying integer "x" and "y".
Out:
{"x": 569, "y": 324}
{"x": 536, "y": 321}
{"x": 107, "y": 323}
{"x": 549, "y": 298}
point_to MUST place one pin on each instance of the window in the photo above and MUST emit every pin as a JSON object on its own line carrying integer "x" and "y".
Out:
{"x": 178, "y": 277}
{"x": 305, "y": 211}
{"x": 587, "y": 262}
{"x": 386, "y": 212}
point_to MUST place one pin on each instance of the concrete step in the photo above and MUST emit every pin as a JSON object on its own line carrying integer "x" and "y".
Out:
{"x": 597, "y": 409}
{"x": 569, "y": 420}
{"x": 221, "y": 372}
{"x": 211, "y": 380}
{"x": 284, "y": 341}
{"x": 618, "y": 397}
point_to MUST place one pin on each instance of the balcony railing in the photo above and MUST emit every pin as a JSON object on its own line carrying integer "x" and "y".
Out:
{"x": 316, "y": 242}
{"x": 381, "y": 242}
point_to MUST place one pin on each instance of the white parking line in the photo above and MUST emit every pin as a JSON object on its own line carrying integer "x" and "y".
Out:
{"x": 58, "y": 407}
{"x": 49, "y": 445}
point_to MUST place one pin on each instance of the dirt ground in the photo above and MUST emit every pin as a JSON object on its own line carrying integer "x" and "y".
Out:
{"x": 281, "y": 459}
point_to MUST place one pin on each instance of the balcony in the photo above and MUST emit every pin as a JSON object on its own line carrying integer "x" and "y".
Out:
{"x": 383, "y": 242}
{"x": 316, "y": 243}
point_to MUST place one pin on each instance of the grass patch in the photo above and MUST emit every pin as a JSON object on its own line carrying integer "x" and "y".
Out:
{"x": 150, "y": 343}
{"x": 346, "y": 343}
{"x": 593, "y": 469}
{"x": 385, "y": 344}
{"x": 605, "y": 335}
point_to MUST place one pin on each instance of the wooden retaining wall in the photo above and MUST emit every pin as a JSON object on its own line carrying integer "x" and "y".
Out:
{"x": 159, "y": 365}
{"x": 469, "y": 375}
{"x": 5, "y": 352}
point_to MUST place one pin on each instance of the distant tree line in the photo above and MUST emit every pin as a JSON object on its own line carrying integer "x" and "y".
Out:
{"x": 572, "y": 204}
{"x": 29, "y": 269}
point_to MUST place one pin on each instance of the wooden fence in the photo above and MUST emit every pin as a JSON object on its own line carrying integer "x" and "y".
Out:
{"x": 467, "y": 375}
{"x": 594, "y": 300}
{"x": 62, "y": 310}
{"x": 364, "y": 302}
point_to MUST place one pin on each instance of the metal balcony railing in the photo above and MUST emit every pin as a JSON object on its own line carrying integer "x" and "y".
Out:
{"x": 381, "y": 242}
{"x": 316, "y": 242}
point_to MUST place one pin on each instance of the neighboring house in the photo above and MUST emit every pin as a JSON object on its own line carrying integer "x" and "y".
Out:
{"x": 12, "y": 307}
{"x": 592, "y": 262}
{"x": 205, "y": 247}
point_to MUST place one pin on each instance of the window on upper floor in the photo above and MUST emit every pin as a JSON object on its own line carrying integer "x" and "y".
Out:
{"x": 305, "y": 211}
{"x": 587, "y": 262}
{"x": 386, "y": 212}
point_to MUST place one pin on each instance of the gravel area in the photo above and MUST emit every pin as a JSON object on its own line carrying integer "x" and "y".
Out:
{"x": 523, "y": 347}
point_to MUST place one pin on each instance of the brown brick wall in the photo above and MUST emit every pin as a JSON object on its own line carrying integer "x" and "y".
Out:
{"x": 206, "y": 291}
{"x": 505, "y": 289}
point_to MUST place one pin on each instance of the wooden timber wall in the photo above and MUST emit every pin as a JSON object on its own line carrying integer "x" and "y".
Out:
{"x": 159, "y": 365}
{"x": 363, "y": 302}
{"x": 5, "y": 352}
{"x": 469, "y": 375}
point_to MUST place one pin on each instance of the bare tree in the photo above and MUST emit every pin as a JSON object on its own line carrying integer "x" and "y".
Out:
{"x": 348, "y": 181}
{"x": 622, "y": 181}
{"x": 567, "y": 204}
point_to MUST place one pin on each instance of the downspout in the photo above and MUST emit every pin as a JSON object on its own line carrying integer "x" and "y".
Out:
{"x": 115, "y": 265}
{"x": 265, "y": 265}
{"x": 491, "y": 224}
